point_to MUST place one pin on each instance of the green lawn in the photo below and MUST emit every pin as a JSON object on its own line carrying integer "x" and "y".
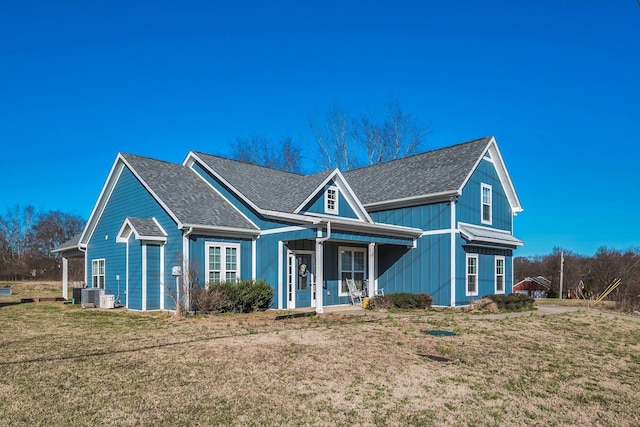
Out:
{"x": 62, "y": 365}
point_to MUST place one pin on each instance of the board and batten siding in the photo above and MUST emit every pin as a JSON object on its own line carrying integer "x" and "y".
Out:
{"x": 424, "y": 268}
{"x": 317, "y": 205}
{"x": 129, "y": 198}
{"x": 469, "y": 204}
{"x": 428, "y": 217}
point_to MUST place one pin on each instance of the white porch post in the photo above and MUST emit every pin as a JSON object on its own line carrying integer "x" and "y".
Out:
{"x": 144, "y": 277}
{"x": 65, "y": 278}
{"x": 372, "y": 270}
{"x": 319, "y": 276}
{"x": 453, "y": 250}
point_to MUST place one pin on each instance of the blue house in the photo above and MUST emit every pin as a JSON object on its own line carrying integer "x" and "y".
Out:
{"x": 439, "y": 222}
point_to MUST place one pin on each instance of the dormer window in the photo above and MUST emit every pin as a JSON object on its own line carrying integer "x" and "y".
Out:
{"x": 485, "y": 196}
{"x": 331, "y": 200}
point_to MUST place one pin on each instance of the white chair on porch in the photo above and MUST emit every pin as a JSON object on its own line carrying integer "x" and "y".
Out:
{"x": 355, "y": 295}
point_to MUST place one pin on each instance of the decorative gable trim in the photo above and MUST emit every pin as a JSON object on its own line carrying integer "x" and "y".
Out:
{"x": 103, "y": 198}
{"x": 193, "y": 158}
{"x": 345, "y": 189}
{"x": 503, "y": 175}
{"x": 191, "y": 162}
{"x": 128, "y": 227}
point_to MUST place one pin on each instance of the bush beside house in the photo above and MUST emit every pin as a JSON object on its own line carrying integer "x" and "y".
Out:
{"x": 244, "y": 296}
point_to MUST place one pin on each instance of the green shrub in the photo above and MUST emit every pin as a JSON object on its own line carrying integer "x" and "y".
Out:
{"x": 402, "y": 300}
{"x": 237, "y": 297}
{"x": 513, "y": 302}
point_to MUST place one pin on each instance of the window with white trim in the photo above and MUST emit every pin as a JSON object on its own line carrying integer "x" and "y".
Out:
{"x": 223, "y": 262}
{"x": 97, "y": 273}
{"x": 351, "y": 265}
{"x": 331, "y": 200}
{"x": 499, "y": 275}
{"x": 486, "y": 199}
{"x": 472, "y": 274}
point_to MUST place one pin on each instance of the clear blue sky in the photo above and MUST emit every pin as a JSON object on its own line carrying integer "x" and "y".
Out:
{"x": 556, "y": 82}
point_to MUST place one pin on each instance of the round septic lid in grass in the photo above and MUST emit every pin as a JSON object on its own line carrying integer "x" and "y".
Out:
{"x": 439, "y": 333}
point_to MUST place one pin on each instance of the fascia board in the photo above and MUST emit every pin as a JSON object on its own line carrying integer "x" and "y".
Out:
{"x": 502, "y": 172}
{"x": 353, "y": 199}
{"x": 315, "y": 191}
{"x": 394, "y": 230}
{"x": 221, "y": 195}
{"x": 103, "y": 197}
{"x": 347, "y": 192}
{"x": 194, "y": 157}
{"x": 153, "y": 194}
{"x": 227, "y": 231}
{"x": 412, "y": 201}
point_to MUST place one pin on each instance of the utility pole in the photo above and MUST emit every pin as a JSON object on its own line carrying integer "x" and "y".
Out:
{"x": 561, "y": 271}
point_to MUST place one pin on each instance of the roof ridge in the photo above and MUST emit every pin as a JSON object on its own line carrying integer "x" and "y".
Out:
{"x": 249, "y": 163}
{"x": 448, "y": 147}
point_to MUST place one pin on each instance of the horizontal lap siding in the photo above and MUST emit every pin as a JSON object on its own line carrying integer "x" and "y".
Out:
{"x": 129, "y": 198}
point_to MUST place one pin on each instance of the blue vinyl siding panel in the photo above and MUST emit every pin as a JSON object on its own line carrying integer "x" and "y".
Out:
{"x": 129, "y": 198}
{"x": 316, "y": 205}
{"x": 469, "y": 203}
{"x": 435, "y": 216}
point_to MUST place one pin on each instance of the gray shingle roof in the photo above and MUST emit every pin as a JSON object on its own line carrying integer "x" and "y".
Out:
{"x": 69, "y": 245}
{"x": 269, "y": 189}
{"x": 433, "y": 172}
{"x": 146, "y": 227}
{"x": 190, "y": 199}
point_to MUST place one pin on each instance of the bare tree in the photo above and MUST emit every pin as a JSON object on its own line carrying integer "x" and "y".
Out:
{"x": 397, "y": 135}
{"x": 50, "y": 231}
{"x": 344, "y": 142}
{"x": 260, "y": 150}
{"x": 16, "y": 230}
{"x": 333, "y": 134}
{"x": 186, "y": 279}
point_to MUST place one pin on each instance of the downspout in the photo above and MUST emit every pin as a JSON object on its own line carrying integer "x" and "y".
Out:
{"x": 185, "y": 265}
{"x": 452, "y": 202}
{"x": 320, "y": 266}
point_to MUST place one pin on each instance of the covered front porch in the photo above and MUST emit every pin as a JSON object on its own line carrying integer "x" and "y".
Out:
{"x": 314, "y": 272}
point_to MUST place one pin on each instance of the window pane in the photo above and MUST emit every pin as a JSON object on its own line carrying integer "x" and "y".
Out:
{"x": 214, "y": 258}
{"x": 231, "y": 258}
{"x": 358, "y": 261}
{"x": 345, "y": 275}
{"x": 230, "y": 276}
{"x": 214, "y": 276}
{"x": 472, "y": 283}
{"x": 358, "y": 279}
{"x": 346, "y": 260}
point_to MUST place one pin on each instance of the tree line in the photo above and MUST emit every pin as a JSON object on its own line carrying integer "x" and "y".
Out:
{"x": 27, "y": 238}
{"x": 596, "y": 272}
{"x": 341, "y": 140}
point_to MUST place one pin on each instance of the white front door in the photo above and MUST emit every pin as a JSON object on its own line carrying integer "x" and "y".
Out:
{"x": 301, "y": 286}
